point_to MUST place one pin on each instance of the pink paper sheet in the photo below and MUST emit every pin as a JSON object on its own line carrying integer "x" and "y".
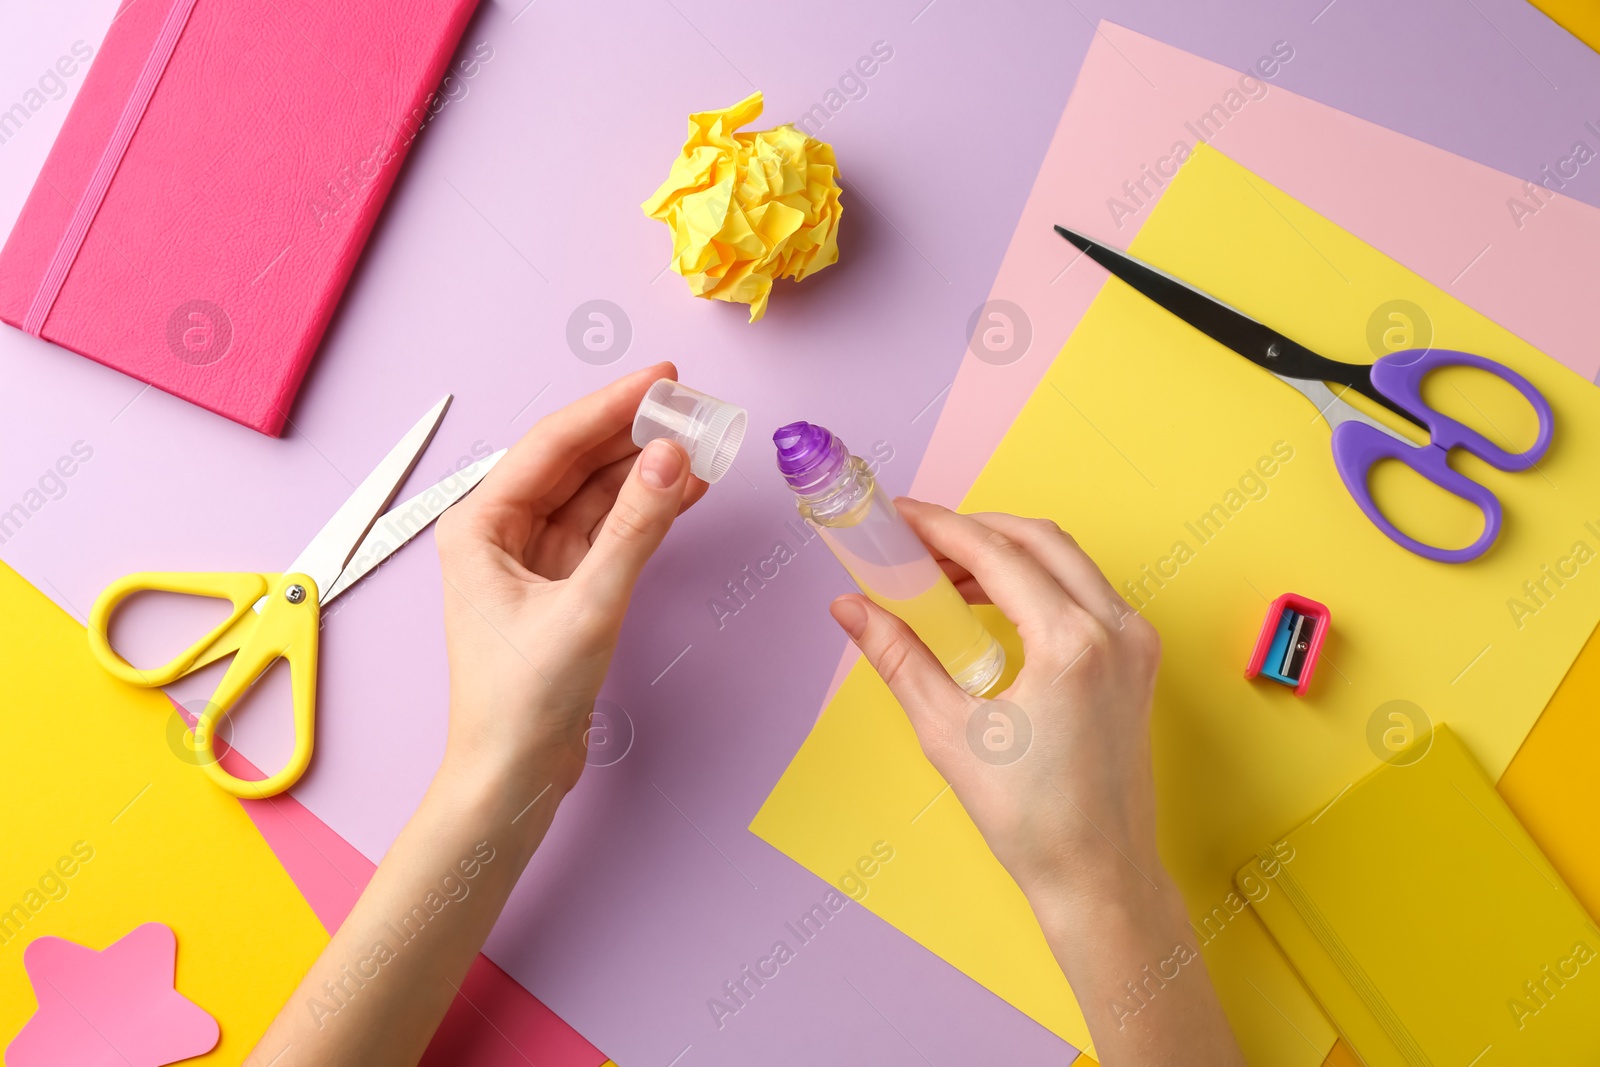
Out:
{"x": 1445, "y": 217}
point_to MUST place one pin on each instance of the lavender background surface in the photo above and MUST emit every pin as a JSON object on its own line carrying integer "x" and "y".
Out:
{"x": 519, "y": 204}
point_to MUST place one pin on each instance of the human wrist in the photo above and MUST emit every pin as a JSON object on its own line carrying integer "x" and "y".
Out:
{"x": 1129, "y": 907}
{"x": 513, "y": 742}
{"x": 503, "y": 787}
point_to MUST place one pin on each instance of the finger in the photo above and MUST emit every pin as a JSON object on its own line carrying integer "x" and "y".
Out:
{"x": 964, "y": 582}
{"x": 1016, "y": 582}
{"x": 513, "y": 523}
{"x": 931, "y": 698}
{"x": 536, "y": 464}
{"x": 558, "y": 544}
{"x": 646, "y": 504}
{"x": 1067, "y": 563}
{"x": 583, "y": 512}
{"x": 692, "y": 495}
{"x": 619, "y": 447}
{"x": 586, "y": 510}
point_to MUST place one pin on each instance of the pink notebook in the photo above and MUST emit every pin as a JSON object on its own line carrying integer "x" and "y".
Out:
{"x": 207, "y": 198}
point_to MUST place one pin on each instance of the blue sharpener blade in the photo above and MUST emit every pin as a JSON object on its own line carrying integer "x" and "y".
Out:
{"x": 1277, "y": 652}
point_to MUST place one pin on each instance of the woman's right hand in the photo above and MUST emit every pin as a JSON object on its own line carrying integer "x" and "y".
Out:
{"x": 1064, "y": 792}
{"x": 1055, "y": 771}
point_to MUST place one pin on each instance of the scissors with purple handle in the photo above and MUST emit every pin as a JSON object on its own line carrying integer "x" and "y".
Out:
{"x": 1359, "y": 441}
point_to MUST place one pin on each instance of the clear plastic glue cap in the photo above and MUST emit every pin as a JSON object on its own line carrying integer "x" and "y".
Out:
{"x": 710, "y": 430}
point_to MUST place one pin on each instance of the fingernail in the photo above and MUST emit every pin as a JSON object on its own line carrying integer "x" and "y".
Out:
{"x": 661, "y": 464}
{"x": 851, "y": 615}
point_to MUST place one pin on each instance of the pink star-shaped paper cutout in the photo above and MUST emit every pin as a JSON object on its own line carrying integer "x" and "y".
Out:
{"x": 115, "y": 1008}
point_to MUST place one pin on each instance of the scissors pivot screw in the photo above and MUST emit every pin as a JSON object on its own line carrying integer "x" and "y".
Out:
{"x": 295, "y": 594}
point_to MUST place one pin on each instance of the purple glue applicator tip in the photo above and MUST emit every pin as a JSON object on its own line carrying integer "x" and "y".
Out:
{"x": 809, "y": 456}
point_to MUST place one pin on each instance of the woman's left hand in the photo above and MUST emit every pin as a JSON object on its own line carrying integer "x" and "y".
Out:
{"x": 539, "y": 563}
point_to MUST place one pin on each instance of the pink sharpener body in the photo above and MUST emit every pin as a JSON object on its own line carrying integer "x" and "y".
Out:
{"x": 1291, "y": 639}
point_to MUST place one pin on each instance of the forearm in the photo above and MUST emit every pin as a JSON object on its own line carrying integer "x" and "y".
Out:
{"x": 1135, "y": 967}
{"x": 385, "y": 980}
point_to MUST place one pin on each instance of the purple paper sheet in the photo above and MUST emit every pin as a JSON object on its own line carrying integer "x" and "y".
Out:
{"x": 519, "y": 205}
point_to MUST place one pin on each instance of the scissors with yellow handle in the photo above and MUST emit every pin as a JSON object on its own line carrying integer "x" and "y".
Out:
{"x": 277, "y": 616}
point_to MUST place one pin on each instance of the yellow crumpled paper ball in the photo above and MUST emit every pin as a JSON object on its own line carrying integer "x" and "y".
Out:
{"x": 745, "y": 208}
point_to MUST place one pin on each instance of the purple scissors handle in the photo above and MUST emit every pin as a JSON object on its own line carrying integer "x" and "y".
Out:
{"x": 1357, "y": 446}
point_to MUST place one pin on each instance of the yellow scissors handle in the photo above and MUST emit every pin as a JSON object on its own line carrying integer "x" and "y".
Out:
{"x": 286, "y": 627}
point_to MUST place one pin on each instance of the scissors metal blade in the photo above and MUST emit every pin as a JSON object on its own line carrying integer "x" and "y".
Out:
{"x": 1255, "y": 341}
{"x": 407, "y": 519}
{"x": 325, "y": 557}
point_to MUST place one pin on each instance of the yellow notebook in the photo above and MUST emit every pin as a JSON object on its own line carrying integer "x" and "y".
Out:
{"x": 1430, "y": 926}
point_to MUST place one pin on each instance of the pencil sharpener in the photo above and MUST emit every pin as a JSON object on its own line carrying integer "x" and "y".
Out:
{"x": 1290, "y": 640}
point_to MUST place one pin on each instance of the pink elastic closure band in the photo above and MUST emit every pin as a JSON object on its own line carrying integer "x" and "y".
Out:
{"x": 155, "y": 65}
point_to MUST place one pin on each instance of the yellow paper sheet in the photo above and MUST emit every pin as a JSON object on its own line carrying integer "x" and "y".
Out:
{"x": 86, "y": 769}
{"x": 1581, "y": 18}
{"x": 1141, "y": 427}
{"x": 1552, "y": 785}
{"x": 1342, "y": 1056}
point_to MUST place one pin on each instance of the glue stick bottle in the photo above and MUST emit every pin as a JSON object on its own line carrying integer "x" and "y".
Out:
{"x": 840, "y": 498}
